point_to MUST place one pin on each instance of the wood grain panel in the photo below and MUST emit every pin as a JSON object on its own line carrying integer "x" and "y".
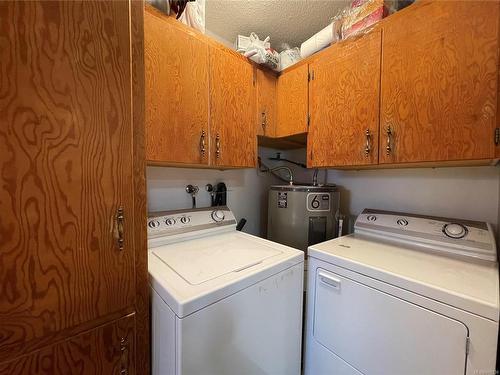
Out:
{"x": 96, "y": 352}
{"x": 439, "y": 82}
{"x": 292, "y": 102}
{"x": 142, "y": 334}
{"x": 232, "y": 109}
{"x": 497, "y": 144}
{"x": 266, "y": 103}
{"x": 176, "y": 66}
{"x": 344, "y": 104}
{"x": 65, "y": 166}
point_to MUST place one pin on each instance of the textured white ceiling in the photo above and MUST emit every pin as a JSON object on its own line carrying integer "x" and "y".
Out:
{"x": 285, "y": 21}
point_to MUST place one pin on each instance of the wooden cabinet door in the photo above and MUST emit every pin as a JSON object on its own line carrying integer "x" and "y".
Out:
{"x": 344, "y": 104}
{"x": 108, "y": 349}
{"x": 65, "y": 166}
{"x": 176, "y": 68}
{"x": 439, "y": 83}
{"x": 232, "y": 109}
{"x": 292, "y": 102}
{"x": 266, "y": 103}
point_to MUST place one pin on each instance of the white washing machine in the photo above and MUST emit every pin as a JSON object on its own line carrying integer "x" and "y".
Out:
{"x": 405, "y": 294}
{"x": 223, "y": 302}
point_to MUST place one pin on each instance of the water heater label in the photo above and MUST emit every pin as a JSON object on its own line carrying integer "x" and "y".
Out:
{"x": 282, "y": 200}
{"x": 318, "y": 202}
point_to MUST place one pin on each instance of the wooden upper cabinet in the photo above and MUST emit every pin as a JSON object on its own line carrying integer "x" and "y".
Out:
{"x": 266, "y": 103}
{"x": 176, "y": 85}
{"x": 439, "y": 83}
{"x": 344, "y": 104}
{"x": 66, "y": 167}
{"x": 292, "y": 101}
{"x": 232, "y": 109}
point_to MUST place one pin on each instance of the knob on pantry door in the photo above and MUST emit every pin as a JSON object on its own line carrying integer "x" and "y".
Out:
{"x": 455, "y": 230}
{"x": 218, "y": 215}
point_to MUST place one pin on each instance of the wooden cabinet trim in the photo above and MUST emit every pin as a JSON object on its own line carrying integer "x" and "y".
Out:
{"x": 142, "y": 317}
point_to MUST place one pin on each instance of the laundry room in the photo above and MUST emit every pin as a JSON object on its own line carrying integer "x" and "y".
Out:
{"x": 249, "y": 187}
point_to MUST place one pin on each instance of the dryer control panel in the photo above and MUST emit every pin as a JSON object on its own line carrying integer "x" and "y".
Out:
{"x": 453, "y": 237}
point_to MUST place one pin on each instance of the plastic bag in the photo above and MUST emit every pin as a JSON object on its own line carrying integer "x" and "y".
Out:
{"x": 361, "y": 15}
{"x": 194, "y": 15}
{"x": 288, "y": 56}
{"x": 259, "y": 53}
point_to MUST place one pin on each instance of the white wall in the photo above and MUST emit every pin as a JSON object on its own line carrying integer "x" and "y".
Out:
{"x": 465, "y": 192}
{"x": 247, "y": 191}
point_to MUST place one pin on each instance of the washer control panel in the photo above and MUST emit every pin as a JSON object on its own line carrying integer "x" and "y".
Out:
{"x": 174, "y": 222}
{"x": 450, "y": 236}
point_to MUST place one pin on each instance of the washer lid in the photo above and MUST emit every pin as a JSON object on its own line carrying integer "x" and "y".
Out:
{"x": 193, "y": 274}
{"x": 212, "y": 257}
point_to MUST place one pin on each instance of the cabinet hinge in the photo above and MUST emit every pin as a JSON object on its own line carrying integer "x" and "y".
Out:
{"x": 308, "y": 119}
{"x": 497, "y": 136}
{"x": 308, "y": 76}
{"x": 467, "y": 345}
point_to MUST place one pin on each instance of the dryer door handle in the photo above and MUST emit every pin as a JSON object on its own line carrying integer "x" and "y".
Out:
{"x": 329, "y": 280}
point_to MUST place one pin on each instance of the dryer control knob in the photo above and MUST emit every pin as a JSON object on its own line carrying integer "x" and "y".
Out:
{"x": 454, "y": 230}
{"x": 218, "y": 216}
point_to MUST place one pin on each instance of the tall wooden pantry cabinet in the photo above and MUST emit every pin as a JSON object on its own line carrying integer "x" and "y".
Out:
{"x": 73, "y": 272}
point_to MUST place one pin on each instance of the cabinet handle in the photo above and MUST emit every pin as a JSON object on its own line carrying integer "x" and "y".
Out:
{"x": 202, "y": 143}
{"x": 388, "y": 147}
{"x": 368, "y": 146}
{"x": 120, "y": 217}
{"x": 124, "y": 356}
{"x": 217, "y": 146}
{"x": 264, "y": 121}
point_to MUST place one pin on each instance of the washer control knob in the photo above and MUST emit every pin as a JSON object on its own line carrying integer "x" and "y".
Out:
{"x": 185, "y": 219}
{"x": 218, "y": 216}
{"x": 154, "y": 224}
{"x": 402, "y": 222}
{"x": 170, "y": 221}
{"x": 455, "y": 230}
{"x": 371, "y": 218}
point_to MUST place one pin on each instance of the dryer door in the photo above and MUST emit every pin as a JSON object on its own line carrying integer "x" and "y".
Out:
{"x": 377, "y": 333}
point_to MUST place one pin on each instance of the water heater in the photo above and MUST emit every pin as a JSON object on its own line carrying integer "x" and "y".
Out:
{"x": 299, "y": 216}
